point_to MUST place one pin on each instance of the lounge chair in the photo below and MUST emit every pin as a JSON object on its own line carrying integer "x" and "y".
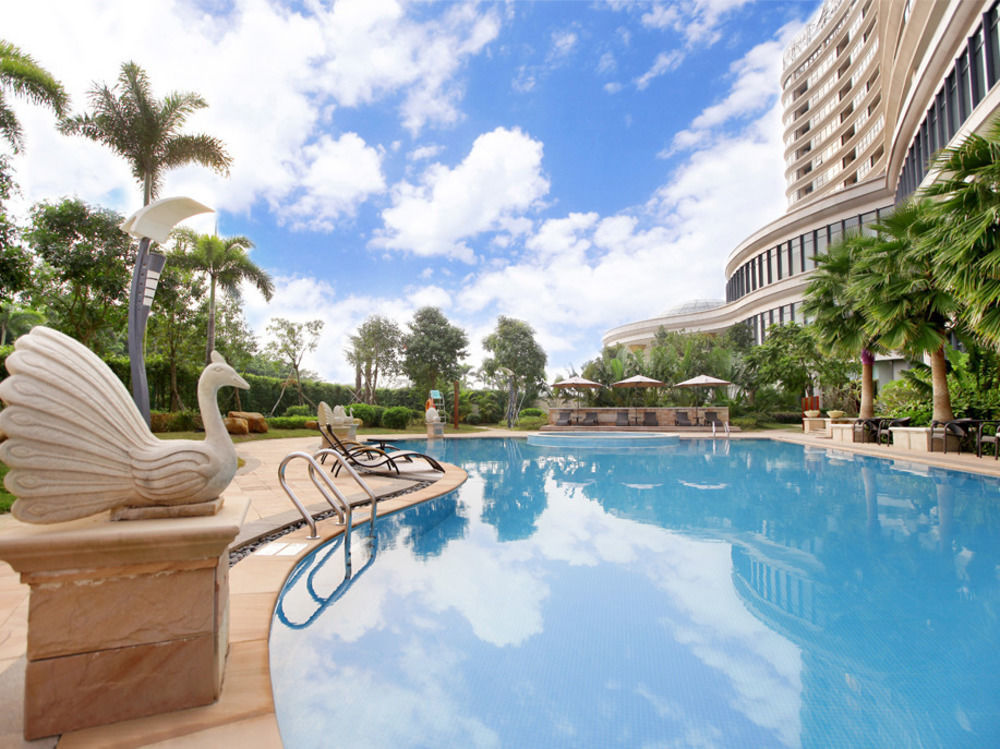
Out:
{"x": 866, "y": 430}
{"x": 988, "y": 433}
{"x": 374, "y": 459}
{"x": 562, "y": 420}
{"x": 589, "y": 419}
{"x": 960, "y": 428}
{"x": 681, "y": 419}
{"x": 649, "y": 419}
{"x": 621, "y": 418}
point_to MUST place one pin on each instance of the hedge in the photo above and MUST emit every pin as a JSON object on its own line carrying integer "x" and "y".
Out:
{"x": 397, "y": 417}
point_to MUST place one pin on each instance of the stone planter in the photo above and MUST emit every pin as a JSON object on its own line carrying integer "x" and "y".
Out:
{"x": 918, "y": 439}
{"x": 842, "y": 432}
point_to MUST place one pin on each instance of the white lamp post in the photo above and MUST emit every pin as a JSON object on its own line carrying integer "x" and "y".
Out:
{"x": 153, "y": 222}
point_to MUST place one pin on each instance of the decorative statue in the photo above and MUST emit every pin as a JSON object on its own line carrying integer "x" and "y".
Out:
{"x": 432, "y": 416}
{"x": 77, "y": 445}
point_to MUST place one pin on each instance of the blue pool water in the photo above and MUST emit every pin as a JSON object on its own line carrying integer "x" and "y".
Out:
{"x": 752, "y": 594}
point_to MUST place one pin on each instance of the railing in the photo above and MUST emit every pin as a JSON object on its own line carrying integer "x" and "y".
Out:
{"x": 334, "y": 497}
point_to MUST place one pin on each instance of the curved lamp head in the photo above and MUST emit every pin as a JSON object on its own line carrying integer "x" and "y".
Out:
{"x": 157, "y": 219}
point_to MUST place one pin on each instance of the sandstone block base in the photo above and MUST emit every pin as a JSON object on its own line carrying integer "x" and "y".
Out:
{"x": 125, "y": 619}
{"x": 842, "y": 432}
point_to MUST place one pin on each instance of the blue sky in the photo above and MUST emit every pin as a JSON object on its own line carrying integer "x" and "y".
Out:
{"x": 575, "y": 165}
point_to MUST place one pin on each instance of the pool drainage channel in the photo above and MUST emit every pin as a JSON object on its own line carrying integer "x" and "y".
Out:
{"x": 250, "y": 547}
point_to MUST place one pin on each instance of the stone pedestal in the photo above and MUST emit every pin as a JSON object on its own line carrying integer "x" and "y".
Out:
{"x": 125, "y": 618}
{"x": 435, "y": 429}
{"x": 842, "y": 432}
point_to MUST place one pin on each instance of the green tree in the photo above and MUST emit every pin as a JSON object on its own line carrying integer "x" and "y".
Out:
{"x": 84, "y": 284}
{"x": 145, "y": 131}
{"x": 908, "y": 306}
{"x": 16, "y": 321}
{"x": 22, "y": 76}
{"x": 375, "y": 352}
{"x": 516, "y": 358}
{"x": 225, "y": 263}
{"x": 290, "y": 342}
{"x": 15, "y": 261}
{"x": 964, "y": 231}
{"x": 433, "y": 349}
{"x": 839, "y": 315}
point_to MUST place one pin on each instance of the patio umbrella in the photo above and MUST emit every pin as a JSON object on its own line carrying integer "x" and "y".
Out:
{"x": 703, "y": 381}
{"x": 576, "y": 383}
{"x": 638, "y": 381}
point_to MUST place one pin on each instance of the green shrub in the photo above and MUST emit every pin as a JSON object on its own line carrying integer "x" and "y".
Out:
{"x": 532, "y": 412}
{"x": 532, "y": 422}
{"x": 370, "y": 415}
{"x": 746, "y": 422}
{"x": 903, "y": 398}
{"x": 289, "y": 422}
{"x": 303, "y": 410}
{"x": 417, "y": 414}
{"x": 397, "y": 417}
{"x": 472, "y": 418}
{"x": 787, "y": 417}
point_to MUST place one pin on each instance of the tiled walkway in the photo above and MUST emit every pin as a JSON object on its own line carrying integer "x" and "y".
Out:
{"x": 244, "y": 714}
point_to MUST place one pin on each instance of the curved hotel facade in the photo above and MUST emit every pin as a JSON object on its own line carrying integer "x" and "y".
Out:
{"x": 871, "y": 89}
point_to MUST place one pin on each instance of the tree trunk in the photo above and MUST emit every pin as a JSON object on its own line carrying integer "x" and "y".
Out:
{"x": 176, "y": 404}
{"x": 147, "y": 189}
{"x": 211, "y": 323}
{"x": 939, "y": 383}
{"x": 867, "y": 410}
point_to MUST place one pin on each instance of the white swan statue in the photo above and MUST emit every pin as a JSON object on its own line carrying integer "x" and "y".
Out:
{"x": 77, "y": 445}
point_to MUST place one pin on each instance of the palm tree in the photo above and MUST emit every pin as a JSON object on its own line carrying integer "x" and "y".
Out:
{"x": 966, "y": 238}
{"x": 839, "y": 317}
{"x": 145, "y": 130}
{"x": 225, "y": 262}
{"x": 907, "y": 305}
{"x": 22, "y": 76}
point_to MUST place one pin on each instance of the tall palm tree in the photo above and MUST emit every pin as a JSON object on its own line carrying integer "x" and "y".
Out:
{"x": 839, "y": 317}
{"x": 909, "y": 307}
{"x": 145, "y": 131}
{"x": 966, "y": 237}
{"x": 22, "y": 76}
{"x": 225, "y": 262}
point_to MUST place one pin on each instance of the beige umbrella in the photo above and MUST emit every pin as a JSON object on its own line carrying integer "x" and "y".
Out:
{"x": 702, "y": 381}
{"x": 576, "y": 383}
{"x": 638, "y": 381}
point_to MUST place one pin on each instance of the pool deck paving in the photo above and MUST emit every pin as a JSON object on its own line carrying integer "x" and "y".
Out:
{"x": 244, "y": 713}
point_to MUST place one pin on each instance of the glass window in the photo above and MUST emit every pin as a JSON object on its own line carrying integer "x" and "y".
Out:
{"x": 760, "y": 270}
{"x": 932, "y": 131}
{"x": 770, "y": 314}
{"x": 752, "y": 267}
{"x": 992, "y": 48}
{"x": 951, "y": 93}
{"x": 781, "y": 315}
{"x": 866, "y": 223}
{"x": 809, "y": 249}
{"x": 794, "y": 259}
{"x": 791, "y": 312}
{"x": 770, "y": 267}
{"x": 778, "y": 255}
{"x": 964, "y": 87}
{"x": 977, "y": 68}
{"x": 835, "y": 231}
{"x": 851, "y": 225}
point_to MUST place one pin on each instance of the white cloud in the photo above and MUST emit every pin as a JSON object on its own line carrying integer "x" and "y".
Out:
{"x": 696, "y": 20}
{"x": 338, "y": 175}
{"x": 424, "y": 152}
{"x": 612, "y": 88}
{"x": 607, "y": 64}
{"x": 563, "y": 44}
{"x": 499, "y": 180}
{"x": 664, "y": 63}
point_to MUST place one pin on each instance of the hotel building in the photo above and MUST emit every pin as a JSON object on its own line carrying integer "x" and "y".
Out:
{"x": 871, "y": 89}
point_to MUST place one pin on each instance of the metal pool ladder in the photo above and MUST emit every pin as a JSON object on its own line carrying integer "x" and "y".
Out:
{"x": 334, "y": 497}
{"x": 725, "y": 424}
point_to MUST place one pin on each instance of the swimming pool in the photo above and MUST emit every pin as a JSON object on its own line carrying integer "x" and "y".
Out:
{"x": 750, "y": 593}
{"x": 603, "y": 439}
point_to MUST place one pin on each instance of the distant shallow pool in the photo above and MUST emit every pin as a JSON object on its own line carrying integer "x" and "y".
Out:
{"x": 602, "y": 439}
{"x": 744, "y": 594}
